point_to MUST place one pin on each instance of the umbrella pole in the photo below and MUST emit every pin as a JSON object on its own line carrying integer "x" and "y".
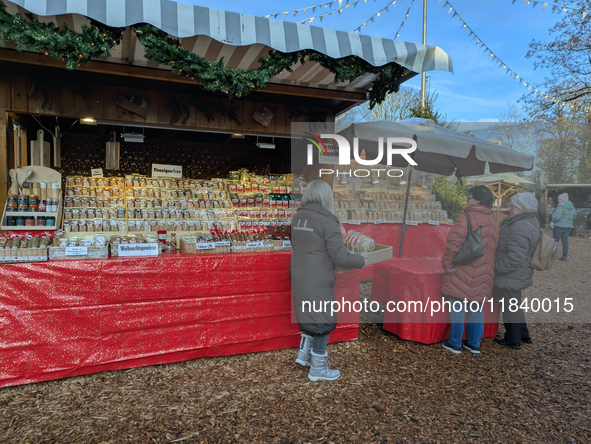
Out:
{"x": 404, "y": 227}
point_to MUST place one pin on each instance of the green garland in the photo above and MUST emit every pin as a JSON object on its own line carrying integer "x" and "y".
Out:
{"x": 65, "y": 44}
{"x": 80, "y": 48}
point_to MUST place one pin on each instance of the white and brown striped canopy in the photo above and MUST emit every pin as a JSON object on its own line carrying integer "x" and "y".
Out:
{"x": 240, "y": 39}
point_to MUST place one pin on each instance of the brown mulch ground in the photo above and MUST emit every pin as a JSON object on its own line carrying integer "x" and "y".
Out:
{"x": 391, "y": 391}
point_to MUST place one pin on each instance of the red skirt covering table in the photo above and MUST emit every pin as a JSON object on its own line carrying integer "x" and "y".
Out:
{"x": 69, "y": 318}
{"x": 420, "y": 241}
{"x": 418, "y": 281}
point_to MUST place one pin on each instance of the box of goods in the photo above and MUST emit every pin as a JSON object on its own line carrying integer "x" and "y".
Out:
{"x": 74, "y": 248}
{"x": 203, "y": 243}
{"x": 150, "y": 246}
{"x": 255, "y": 246}
{"x": 23, "y": 248}
{"x": 365, "y": 246}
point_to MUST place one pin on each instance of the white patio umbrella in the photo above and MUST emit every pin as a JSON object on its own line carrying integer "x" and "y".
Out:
{"x": 439, "y": 151}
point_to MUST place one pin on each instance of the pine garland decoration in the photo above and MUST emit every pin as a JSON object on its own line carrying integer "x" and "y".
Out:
{"x": 63, "y": 43}
{"x": 95, "y": 40}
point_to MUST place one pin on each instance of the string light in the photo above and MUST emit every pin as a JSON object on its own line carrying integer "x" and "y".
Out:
{"x": 376, "y": 15}
{"x": 405, "y": 17}
{"x": 508, "y": 70}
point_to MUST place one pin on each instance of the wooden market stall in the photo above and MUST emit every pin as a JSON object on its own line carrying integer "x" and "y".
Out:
{"x": 250, "y": 78}
{"x": 502, "y": 190}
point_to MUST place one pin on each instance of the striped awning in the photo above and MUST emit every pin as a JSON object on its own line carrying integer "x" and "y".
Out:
{"x": 240, "y": 39}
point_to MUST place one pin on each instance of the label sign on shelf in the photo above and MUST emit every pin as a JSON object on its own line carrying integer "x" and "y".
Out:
{"x": 354, "y": 222}
{"x": 222, "y": 244}
{"x": 433, "y": 222}
{"x": 174, "y": 171}
{"x": 96, "y": 172}
{"x": 286, "y": 244}
{"x": 379, "y": 221}
{"x": 76, "y": 251}
{"x": 414, "y": 223}
{"x": 255, "y": 244}
{"x": 133, "y": 250}
{"x": 205, "y": 245}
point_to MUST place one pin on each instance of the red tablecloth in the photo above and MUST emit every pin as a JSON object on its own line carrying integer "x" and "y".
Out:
{"x": 421, "y": 241}
{"x": 68, "y": 318}
{"x": 419, "y": 280}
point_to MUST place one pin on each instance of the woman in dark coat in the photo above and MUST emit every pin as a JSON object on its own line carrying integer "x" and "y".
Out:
{"x": 317, "y": 245}
{"x": 473, "y": 282}
{"x": 518, "y": 237}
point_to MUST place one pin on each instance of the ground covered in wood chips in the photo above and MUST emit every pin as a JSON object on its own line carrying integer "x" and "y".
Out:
{"x": 391, "y": 391}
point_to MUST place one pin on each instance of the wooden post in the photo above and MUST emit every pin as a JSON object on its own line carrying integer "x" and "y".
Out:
{"x": 3, "y": 158}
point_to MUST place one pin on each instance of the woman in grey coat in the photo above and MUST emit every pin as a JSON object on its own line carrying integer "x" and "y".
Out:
{"x": 317, "y": 245}
{"x": 519, "y": 235}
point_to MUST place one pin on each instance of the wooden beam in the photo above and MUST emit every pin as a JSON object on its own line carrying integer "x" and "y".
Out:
{"x": 162, "y": 75}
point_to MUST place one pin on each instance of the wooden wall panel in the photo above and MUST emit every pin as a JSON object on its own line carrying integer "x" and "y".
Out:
{"x": 18, "y": 94}
{"x": 101, "y": 105}
{"x": 5, "y": 92}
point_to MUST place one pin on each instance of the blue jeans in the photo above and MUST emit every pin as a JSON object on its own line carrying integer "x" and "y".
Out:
{"x": 562, "y": 233}
{"x": 475, "y": 327}
{"x": 320, "y": 342}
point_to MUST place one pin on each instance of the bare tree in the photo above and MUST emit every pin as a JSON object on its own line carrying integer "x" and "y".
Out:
{"x": 516, "y": 129}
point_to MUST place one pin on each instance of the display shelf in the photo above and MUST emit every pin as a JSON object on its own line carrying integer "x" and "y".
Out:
{"x": 39, "y": 174}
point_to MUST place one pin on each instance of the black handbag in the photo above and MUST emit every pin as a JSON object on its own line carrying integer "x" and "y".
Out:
{"x": 472, "y": 248}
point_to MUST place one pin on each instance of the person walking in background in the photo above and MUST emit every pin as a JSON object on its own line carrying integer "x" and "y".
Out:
{"x": 518, "y": 237}
{"x": 562, "y": 221}
{"x": 474, "y": 281}
{"x": 541, "y": 213}
{"x": 317, "y": 245}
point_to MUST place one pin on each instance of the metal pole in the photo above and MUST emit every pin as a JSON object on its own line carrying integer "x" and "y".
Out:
{"x": 404, "y": 227}
{"x": 423, "y": 74}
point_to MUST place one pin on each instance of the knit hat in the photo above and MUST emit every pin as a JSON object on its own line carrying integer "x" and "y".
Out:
{"x": 526, "y": 202}
{"x": 563, "y": 196}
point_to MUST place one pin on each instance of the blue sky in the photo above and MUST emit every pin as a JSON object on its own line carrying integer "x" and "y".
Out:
{"x": 477, "y": 91}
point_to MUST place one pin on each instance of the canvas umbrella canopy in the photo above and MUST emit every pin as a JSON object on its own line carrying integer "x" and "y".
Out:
{"x": 439, "y": 151}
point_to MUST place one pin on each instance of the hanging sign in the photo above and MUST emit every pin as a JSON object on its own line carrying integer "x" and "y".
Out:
{"x": 173, "y": 171}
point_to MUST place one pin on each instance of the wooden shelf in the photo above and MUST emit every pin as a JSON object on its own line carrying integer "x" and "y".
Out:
{"x": 30, "y": 213}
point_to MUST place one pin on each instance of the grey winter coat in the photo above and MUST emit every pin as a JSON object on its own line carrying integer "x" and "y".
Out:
{"x": 317, "y": 244}
{"x": 517, "y": 243}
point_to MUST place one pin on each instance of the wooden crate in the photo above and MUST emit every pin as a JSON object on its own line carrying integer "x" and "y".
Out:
{"x": 23, "y": 255}
{"x": 191, "y": 248}
{"x": 253, "y": 247}
{"x": 380, "y": 253}
{"x": 59, "y": 253}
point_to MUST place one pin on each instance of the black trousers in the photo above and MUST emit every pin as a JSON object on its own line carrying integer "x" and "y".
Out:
{"x": 515, "y": 326}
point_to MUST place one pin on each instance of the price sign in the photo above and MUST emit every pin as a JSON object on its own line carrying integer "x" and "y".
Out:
{"x": 433, "y": 222}
{"x": 286, "y": 244}
{"x": 205, "y": 245}
{"x": 222, "y": 244}
{"x": 380, "y": 221}
{"x": 76, "y": 251}
{"x": 255, "y": 245}
{"x": 414, "y": 223}
{"x": 354, "y": 222}
{"x": 96, "y": 172}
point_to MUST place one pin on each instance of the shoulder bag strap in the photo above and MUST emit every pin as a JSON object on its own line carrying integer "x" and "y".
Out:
{"x": 541, "y": 234}
{"x": 469, "y": 222}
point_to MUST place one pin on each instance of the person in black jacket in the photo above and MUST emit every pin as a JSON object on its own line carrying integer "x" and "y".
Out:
{"x": 317, "y": 245}
{"x": 518, "y": 237}
{"x": 541, "y": 213}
